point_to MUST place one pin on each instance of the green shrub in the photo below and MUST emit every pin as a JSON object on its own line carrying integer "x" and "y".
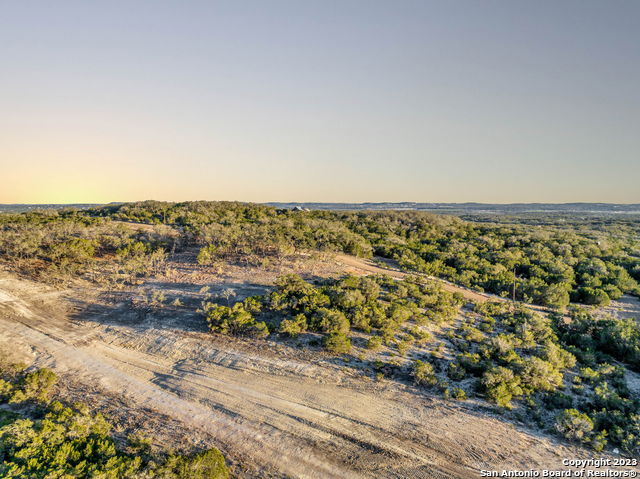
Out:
{"x": 501, "y": 385}
{"x": 403, "y": 347}
{"x": 253, "y": 304}
{"x": 6, "y": 390}
{"x": 337, "y": 343}
{"x": 472, "y": 363}
{"x": 206, "y": 255}
{"x": 574, "y": 425}
{"x": 456, "y": 371}
{"x": 207, "y": 464}
{"x": 557, "y": 356}
{"x": 539, "y": 375}
{"x": 374, "y": 343}
{"x": 472, "y": 334}
{"x": 458, "y": 394}
{"x": 35, "y": 385}
{"x": 330, "y": 321}
{"x": 421, "y": 336}
{"x": 598, "y": 441}
{"x": 423, "y": 374}
{"x": 559, "y": 400}
{"x": 593, "y": 296}
{"x": 293, "y": 327}
{"x": 234, "y": 321}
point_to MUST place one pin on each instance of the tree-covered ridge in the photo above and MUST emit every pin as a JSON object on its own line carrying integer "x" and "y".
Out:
{"x": 551, "y": 265}
{"x": 40, "y": 438}
{"x": 233, "y": 228}
{"x": 57, "y": 246}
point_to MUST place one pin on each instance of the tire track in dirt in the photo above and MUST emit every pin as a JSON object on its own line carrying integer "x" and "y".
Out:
{"x": 241, "y": 435}
{"x": 45, "y": 335}
{"x": 275, "y": 405}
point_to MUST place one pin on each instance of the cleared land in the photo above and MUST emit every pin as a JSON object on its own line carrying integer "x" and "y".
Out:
{"x": 278, "y": 410}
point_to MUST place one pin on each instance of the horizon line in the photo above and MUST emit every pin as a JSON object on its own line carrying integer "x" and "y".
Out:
{"x": 336, "y": 202}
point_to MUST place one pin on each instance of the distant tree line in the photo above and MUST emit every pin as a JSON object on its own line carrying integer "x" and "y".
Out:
{"x": 550, "y": 265}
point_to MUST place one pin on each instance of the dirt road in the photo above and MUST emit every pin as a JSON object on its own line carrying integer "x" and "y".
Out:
{"x": 284, "y": 416}
{"x": 365, "y": 266}
{"x": 369, "y": 267}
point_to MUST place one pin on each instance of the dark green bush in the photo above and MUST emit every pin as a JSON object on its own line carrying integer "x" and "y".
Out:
{"x": 337, "y": 343}
{"x": 501, "y": 386}
{"x": 423, "y": 374}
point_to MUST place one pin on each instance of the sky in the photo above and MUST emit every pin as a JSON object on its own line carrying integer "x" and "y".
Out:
{"x": 327, "y": 100}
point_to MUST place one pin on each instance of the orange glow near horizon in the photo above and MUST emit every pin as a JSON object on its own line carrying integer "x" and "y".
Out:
{"x": 289, "y": 101}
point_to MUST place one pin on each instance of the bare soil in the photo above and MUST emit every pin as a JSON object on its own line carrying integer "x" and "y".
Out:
{"x": 625, "y": 307}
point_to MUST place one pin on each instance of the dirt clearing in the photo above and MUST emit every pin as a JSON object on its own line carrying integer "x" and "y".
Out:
{"x": 268, "y": 406}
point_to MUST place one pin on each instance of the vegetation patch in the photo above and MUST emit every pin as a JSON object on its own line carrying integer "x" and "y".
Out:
{"x": 40, "y": 438}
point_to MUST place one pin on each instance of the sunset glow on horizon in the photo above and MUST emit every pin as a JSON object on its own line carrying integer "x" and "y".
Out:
{"x": 354, "y": 101}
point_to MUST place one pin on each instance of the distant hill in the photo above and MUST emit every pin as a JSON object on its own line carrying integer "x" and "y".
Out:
{"x": 477, "y": 208}
{"x": 20, "y": 208}
{"x": 445, "y": 208}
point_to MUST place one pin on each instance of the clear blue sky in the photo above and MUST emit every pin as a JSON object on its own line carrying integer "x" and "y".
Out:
{"x": 331, "y": 100}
